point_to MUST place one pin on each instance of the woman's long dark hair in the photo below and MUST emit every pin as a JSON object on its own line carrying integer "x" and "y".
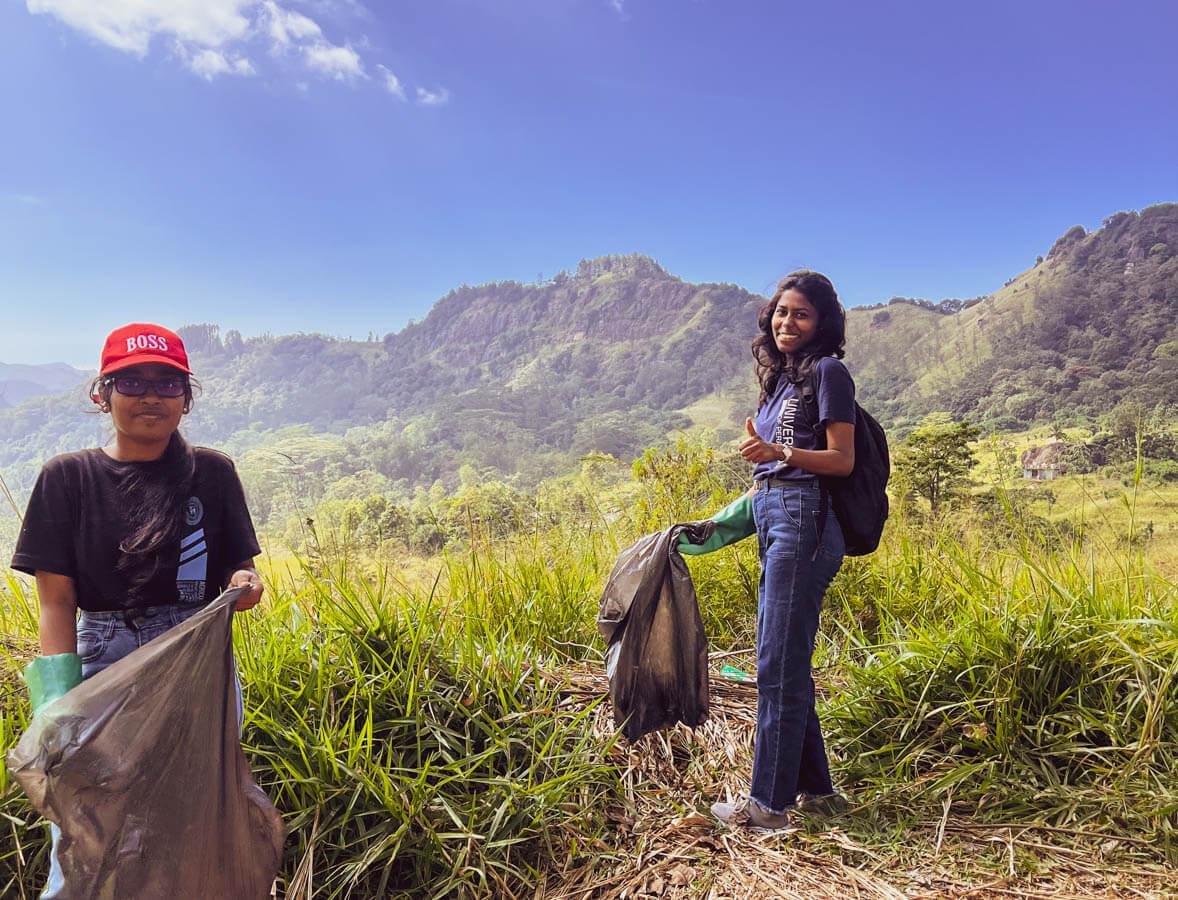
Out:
{"x": 828, "y": 339}
{"x": 158, "y": 492}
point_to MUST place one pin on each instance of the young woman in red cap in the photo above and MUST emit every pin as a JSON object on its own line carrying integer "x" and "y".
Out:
{"x": 128, "y": 540}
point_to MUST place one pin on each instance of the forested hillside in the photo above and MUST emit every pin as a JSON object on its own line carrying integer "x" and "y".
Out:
{"x": 1093, "y": 323}
{"x": 512, "y": 376}
{"x": 526, "y": 378}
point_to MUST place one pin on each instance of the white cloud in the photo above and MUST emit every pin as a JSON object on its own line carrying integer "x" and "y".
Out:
{"x": 340, "y": 63}
{"x": 337, "y": 8}
{"x": 204, "y": 31}
{"x": 130, "y": 25}
{"x": 392, "y": 83}
{"x": 440, "y": 97}
{"x": 214, "y": 38}
{"x": 208, "y": 64}
{"x": 286, "y": 27}
{"x": 619, "y": 7}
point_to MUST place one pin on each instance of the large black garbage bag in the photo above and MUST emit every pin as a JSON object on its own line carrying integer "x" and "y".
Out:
{"x": 656, "y": 654}
{"x": 141, "y": 768}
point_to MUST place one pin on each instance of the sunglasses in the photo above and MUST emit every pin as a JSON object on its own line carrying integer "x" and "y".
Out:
{"x": 134, "y": 386}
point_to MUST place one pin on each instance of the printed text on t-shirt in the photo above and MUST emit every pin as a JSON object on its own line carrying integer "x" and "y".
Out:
{"x": 783, "y": 431}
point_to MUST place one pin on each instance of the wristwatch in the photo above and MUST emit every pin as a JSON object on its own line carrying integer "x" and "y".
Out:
{"x": 786, "y": 452}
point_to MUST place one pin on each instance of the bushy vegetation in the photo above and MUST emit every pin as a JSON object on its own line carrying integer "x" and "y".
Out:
{"x": 404, "y": 720}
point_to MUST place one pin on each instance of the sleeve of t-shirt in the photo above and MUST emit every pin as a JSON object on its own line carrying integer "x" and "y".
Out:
{"x": 46, "y": 540}
{"x": 240, "y": 540}
{"x": 836, "y": 393}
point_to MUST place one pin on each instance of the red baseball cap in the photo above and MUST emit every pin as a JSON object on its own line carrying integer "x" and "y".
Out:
{"x": 140, "y": 343}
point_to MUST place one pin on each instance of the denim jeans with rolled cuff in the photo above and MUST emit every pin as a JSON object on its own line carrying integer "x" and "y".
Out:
{"x": 103, "y": 639}
{"x": 797, "y": 566}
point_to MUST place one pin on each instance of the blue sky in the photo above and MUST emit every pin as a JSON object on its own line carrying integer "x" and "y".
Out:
{"x": 337, "y": 165}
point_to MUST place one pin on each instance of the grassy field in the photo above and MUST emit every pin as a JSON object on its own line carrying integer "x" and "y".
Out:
{"x": 1116, "y": 514}
{"x": 999, "y": 700}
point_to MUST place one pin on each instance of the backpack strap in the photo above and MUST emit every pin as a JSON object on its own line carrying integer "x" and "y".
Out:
{"x": 808, "y": 388}
{"x": 809, "y": 391}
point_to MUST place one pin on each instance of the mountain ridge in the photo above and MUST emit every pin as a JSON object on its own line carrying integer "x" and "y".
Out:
{"x": 24, "y": 381}
{"x": 1080, "y": 327}
{"x": 617, "y": 353}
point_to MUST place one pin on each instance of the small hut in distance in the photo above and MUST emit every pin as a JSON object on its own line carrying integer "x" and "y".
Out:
{"x": 1045, "y": 463}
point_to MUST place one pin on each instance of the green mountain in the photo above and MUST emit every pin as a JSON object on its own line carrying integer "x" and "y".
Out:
{"x": 527, "y": 377}
{"x": 619, "y": 333}
{"x": 518, "y": 377}
{"x": 1094, "y": 322}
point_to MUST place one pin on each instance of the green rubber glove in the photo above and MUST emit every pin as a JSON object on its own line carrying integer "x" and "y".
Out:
{"x": 50, "y": 677}
{"x": 733, "y": 523}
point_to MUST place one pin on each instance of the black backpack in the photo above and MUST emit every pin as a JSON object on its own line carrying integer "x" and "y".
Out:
{"x": 860, "y": 500}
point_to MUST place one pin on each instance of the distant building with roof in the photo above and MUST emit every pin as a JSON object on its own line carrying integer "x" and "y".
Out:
{"x": 1045, "y": 463}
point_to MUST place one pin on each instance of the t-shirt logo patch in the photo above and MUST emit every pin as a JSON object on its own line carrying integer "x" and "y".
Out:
{"x": 194, "y": 511}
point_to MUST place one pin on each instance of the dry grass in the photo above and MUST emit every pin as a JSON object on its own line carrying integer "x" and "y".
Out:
{"x": 664, "y": 844}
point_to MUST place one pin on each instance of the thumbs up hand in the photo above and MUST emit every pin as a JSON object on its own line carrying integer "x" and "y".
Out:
{"x": 756, "y": 450}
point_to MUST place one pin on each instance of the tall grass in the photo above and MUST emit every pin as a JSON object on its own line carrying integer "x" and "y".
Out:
{"x": 411, "y": 741}
{"x": 408, "y": 738}
{"x": 1026, "y": 685}
{"x": 406, "y": 733}
{"x": 23, "y": 849}
{"x": 538, "y": 594}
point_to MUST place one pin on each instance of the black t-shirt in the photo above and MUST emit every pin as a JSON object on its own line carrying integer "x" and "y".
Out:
{"x": 78, "y": 515}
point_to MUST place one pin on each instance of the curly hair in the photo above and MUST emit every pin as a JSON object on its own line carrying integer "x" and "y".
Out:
{"x": 828, "y": 340}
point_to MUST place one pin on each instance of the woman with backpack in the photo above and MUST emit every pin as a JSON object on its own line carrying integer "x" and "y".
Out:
{"x": 801, "y": 545}
{"x": 131, "y": 539}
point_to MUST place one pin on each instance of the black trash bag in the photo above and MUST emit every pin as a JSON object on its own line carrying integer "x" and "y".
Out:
{"x": 656, "y": 653}
{"x": 142, "y": 769}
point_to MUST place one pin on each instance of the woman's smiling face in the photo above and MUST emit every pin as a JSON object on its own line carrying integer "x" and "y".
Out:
{"x": 794, "y": 322}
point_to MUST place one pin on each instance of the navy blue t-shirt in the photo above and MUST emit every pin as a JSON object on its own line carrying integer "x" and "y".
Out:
{"x": 781, "y": 420}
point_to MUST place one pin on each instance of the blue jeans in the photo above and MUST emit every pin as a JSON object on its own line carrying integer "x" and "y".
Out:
{"x": 104, "y": 639}
{"x": 797, "y": 566}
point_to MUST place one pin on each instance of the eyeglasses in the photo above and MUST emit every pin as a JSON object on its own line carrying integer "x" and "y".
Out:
{"x": 134, "y": 386}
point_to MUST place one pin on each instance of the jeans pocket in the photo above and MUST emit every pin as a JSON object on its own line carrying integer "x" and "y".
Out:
{"x": 779, "y": 522}
{"x": 93, "y": 639}
{"x": 791, "y": 506}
